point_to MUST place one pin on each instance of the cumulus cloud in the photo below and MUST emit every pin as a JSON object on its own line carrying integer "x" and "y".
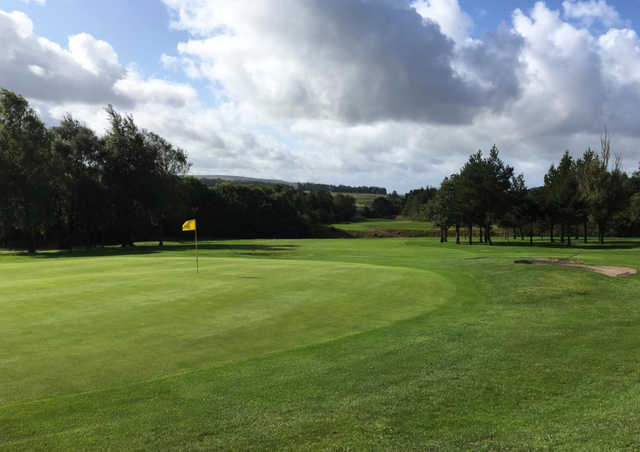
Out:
{"x": 591, "y": 11}
{"x": 376, "y": 92}
{"x": 41, "y": 69}
{"x": 84, "y": 77}
{"x": 355, "y": 61}
{"x": 86, "y": 72}
{"x": 453, "y": 22}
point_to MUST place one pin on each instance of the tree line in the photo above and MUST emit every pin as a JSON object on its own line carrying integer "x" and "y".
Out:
{"x": 66, "y": 186}
{"x": 587, "y": 196}
{"x": 342, "y": 188}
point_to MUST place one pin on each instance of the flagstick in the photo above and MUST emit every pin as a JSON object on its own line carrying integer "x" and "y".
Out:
{"x": 197, "y": 267}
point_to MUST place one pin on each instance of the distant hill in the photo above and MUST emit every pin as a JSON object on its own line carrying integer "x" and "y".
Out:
{"x": 219, "y": 178}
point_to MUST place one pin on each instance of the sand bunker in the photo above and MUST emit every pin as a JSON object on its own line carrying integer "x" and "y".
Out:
{"x": 608, "y": 270}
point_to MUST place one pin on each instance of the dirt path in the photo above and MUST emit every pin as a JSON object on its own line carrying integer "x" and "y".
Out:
{"x": 609, "y": 270}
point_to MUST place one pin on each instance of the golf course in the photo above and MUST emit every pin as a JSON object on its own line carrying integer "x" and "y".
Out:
{"x": 320, "y": 344}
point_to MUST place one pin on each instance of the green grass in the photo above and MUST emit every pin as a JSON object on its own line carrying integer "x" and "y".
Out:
{"x": 362, "y": 199}
{"x": 372, "y": 224}
{"x": 319, "y": 344}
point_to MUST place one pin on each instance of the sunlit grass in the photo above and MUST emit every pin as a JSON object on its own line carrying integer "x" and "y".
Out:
{"x": 319, "y": 344}
{"x": 371, "y": 224}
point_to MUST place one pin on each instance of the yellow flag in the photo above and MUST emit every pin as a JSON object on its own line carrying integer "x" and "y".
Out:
{"x": 189, "y": 225}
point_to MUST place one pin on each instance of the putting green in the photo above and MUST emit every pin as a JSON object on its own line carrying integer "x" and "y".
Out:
{"x": 79, "y": 324}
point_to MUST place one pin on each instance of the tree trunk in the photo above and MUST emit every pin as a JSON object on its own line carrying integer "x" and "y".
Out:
{"x": 470, "y": 235}
{"x": 551, "y": 232}
{"x": 601, "y": 233}
{"x": 586, "y": 226}
{"x": 521, "y": 233}
{"x": 531, "y": 235}
{"x": 569, "y": 236}
{"x": 160, "y": 233}
{"x": 562, "y": 233}
{"x": 487, "y": 230}
{"x": 30, "y": 230}
{"x": 515, "y": 233}
{"x": 457, "y": 234}
{"x": 31, "y": 244}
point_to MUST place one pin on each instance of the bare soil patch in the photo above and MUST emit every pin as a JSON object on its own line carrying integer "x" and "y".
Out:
{"x": 609, "y": 270}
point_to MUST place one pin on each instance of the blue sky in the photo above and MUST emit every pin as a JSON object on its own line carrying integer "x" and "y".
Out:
{"x": 146, "y": 22}
{"x": 488, "y": 15}
{"x": 339, "y": 91}
{"x": 138, "y": 30}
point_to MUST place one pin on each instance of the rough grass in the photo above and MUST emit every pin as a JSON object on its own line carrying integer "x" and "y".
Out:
{"x": 319, "y": 344}
{"x": 362, "y": 199}
{"x": 372, "y": 224}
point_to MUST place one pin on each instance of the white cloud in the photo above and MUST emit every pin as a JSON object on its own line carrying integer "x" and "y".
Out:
{"x": 155, "y": 91}
{"x": 93, "y": 55}
{"x": 620, "y": 50}
{"x": 453, "y": 22}
{"x": 41, "y": 69}
{"x": 350, "y": 91}
{"x": 352, "y": 61}
{"x": 187, "y": 65}
{"x": 39, "y": 2}
{"x": 19, "y": 22}
{"x": 591, "y": 11}
{"x": 86, "y": 72}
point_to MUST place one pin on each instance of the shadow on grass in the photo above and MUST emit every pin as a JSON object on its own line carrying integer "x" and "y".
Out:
{"x": 144, "y": 249}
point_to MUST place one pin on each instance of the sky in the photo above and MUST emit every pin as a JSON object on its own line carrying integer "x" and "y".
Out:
{"x": 393, "y": 93}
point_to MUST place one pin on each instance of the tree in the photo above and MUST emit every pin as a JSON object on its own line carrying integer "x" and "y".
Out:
{"x": 139, "y": 171}
{"x": 344, "y": 207}
{"x": 436, "y": 212}
{"x": 444, "y": 209}
{"x": 81, "y": 202}
{"x": 170, "y": 162}
{"x": 383, "y": 207}
{"x": 415, "y": 199}
{"x": 561, "y": 190}
{"x": 127, "y": 165}
{"x": 484, "y": 191}
{"x": 26, "y": 167}
{"x": 602, "y": 189}
{"x": 530, "y": 210}
{"x": 515, "y": 216}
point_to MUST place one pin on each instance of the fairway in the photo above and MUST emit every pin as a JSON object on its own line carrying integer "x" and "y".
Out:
{"x": 371, "y": 224}
{"x": 316, "y": 344}
{"x": 362, "y": 199}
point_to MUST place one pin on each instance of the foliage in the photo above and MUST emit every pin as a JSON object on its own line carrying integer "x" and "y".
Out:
{"x": 415, "y": 200}
{"x": 575, "y": 195}
{"x": 66, "y": 186}
{"x": 309, "y": 186}
{"x": 26, "y": 169}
